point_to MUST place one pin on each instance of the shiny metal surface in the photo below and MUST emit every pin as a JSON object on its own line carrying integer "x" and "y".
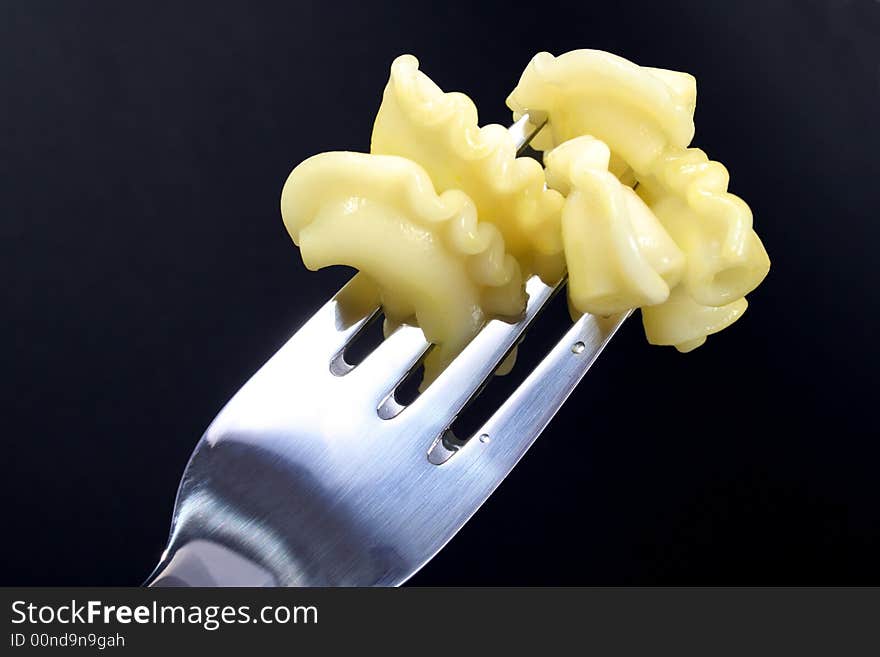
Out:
{"x": 312, "y": 475}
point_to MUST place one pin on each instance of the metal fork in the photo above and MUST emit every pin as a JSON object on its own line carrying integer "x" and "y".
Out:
{"x": 314, "y": 475}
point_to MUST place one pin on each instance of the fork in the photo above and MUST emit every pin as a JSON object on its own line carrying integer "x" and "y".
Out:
{"x": 313, "y": 474}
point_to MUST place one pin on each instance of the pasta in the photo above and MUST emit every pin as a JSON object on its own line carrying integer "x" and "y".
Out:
{"x": 619, "y": 256}
{"x": 684, "y": 323}
{"x": 645, "y": 116}
{"x": 417, "y": 120}
{"x": 430, "y": 257}
{"x": 446, "y": 222}
{"x": 638, "y": 111}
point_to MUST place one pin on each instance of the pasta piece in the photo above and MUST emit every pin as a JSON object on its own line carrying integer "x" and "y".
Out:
{"x": 633, "y": 109}
{"x": 684, "y": 323}
{"x": 688, "y": 193}
{"x": 440, "y": 131}
{"x": 428, "y": 254}
{"x": 619, "y": 256}
{"x": 645, "y": 116}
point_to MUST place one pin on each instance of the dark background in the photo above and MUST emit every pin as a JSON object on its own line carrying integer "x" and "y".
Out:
{"x": 146, "y": 274}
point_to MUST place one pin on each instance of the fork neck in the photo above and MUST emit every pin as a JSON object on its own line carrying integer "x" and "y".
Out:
{"x": 205, "y": 563}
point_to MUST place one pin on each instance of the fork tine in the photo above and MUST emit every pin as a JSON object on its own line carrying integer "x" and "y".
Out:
{"x": 335, "y": 323}
{"x": 471, "y": 369}
{"x": 524, "y": 415}
{"x": 390, "y": 361}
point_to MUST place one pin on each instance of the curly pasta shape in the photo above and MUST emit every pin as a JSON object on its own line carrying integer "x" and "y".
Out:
{"x": 427, "y": 253}
{"x": 618, "y": 254}
{"x": 445, "y": 221}
{"x": 725, "y": 257}
{"x": 684, "y": 323}
{"x": 637, "y": 111}
{"x": 645, "y": 116}
{"x": 440, "y": 131}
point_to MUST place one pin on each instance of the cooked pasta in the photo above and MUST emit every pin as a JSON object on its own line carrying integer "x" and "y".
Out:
{"x": 447, "y": 222}
{"x": 430, "y": 256}
{"x": 645, "y": 116}
{"x": 438, "y": 130}
{"x": 619, "y": 256}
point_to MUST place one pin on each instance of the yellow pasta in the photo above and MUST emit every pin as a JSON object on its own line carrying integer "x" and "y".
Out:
{"x": 725, "y": 257}
{"x": 645, "y": 116}
{"x": 637, "y": 111}
{"x": 430, "y": 256}
{"x": 440, "y": 131}
{"x": 445, "y": 221}
{"x": 684, "y": 323}
{"x": 619, "y": 256}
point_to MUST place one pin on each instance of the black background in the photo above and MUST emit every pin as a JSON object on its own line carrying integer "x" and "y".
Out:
{"x": 146, "y": 273}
